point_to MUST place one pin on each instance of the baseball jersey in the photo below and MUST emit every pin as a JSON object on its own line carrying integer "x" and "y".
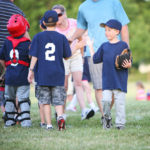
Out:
{"x": 16, "y": 74}
{"x": 50, "y": 47}
{"x": 72, "y": 25}
{"x": 92, "y": 13}
{"x": 112, "y": 78}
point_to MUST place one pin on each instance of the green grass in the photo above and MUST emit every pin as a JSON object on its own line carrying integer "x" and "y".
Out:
{"x": 83, "y": 135}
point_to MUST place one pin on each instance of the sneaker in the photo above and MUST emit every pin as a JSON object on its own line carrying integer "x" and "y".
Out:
{"x": 61, "y": 123}
{"x": 8, "y": 124}
{"x": 69, "y": 108}
{"x": 42, "y": 125}
{"x": 107, "y": 123}
{"x": 102, "y": 119}
{"x": 120, "y": 128}
{"x": 55, "y": 116}
{"x": 87, "y": 114}
{"x": 49, "y": 127}
{"x": 96, "y": 109}
{"x": 64, "y": 116}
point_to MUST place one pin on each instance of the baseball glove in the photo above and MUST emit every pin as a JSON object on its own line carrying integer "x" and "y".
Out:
{"x": 126, "y": 54}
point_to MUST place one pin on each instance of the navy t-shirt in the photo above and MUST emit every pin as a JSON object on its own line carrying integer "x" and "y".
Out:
{"x": 16, "y": 74}
{"x": 50, "y": 47}
{"x": 112, "y": 78}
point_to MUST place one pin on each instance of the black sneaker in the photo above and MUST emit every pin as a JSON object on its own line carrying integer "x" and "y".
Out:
{"x": 42, "y": 125}
{"x": 120, "y": 128}
{"x": 107, "y": 123}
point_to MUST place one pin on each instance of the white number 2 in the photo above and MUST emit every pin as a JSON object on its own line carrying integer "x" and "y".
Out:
{"x": 51, "y": 50}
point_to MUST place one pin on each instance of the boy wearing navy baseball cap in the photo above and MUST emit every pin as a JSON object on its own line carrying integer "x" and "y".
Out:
{"x": 114, "y": 81}
{"x": 48, "y": 48}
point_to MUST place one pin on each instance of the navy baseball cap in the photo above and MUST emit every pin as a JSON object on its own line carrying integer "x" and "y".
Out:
{"x": 50, "y": 16}
{"x": 113, "y": 23}
{"x": 41, "y": 23}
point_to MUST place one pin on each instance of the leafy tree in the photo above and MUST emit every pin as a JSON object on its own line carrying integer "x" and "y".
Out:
{"x": 137, "y": 10}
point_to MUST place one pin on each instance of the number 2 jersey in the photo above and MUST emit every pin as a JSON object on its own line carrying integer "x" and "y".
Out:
{"x": 50, "y": 47}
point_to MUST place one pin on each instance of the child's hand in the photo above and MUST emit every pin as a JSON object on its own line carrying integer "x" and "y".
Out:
{"x": 90, "y": 42}
{"x": 30, "y": 76}
{"x": 127, "y": 64}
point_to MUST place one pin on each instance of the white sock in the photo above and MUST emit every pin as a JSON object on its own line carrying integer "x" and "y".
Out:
{"x": 49, "y": 125}
{"x": 84, "y": 110}
{"x": 74, "y": 101}
{"x": 92, "y": 105}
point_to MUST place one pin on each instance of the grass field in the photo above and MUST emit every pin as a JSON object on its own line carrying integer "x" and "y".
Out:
{"x": 83, "y": 135}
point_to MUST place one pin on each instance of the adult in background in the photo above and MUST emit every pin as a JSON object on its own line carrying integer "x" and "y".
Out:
{"x": 91, "y": 13}
{"x": 67, "y": 27}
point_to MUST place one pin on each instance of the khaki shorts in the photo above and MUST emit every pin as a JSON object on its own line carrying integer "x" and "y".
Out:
{"x": 73, "y": 64}
{"x": 96, "y": 73}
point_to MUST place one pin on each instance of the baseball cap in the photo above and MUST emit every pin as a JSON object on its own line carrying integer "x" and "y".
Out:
{"x": 113, "y": 23}
{"x": 50, "y": 16}
{"x": 41, "y": 23}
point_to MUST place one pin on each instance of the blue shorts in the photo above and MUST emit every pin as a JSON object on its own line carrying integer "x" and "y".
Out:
{"x": 86, "y": 72}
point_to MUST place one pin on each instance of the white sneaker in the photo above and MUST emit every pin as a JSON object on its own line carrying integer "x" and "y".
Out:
{"x": 64, "y": 116}
{"x": 87, "y": 114}
{"x": 69, "y": 108}
{"x": 96, "y": 109}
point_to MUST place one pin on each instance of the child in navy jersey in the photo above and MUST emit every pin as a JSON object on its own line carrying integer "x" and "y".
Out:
{"x": 14, "y": 55}
{"x": 48, "y": 49}
{"x": 114, "y": 81}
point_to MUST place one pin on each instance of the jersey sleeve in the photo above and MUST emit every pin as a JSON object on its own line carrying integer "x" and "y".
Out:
{"x": 120, "y": 13}
{"x": 34, "y": 47}
{"x": 66, "y": 47}
{"x": 81, "y": 21}
{"x": 98, "y": 56}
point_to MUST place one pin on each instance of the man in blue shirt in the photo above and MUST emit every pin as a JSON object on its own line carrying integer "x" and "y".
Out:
{"x": 100, "y": 11}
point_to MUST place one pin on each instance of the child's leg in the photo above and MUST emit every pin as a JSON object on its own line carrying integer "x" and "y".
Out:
{"x": 10, "y": 105}
{"x": 41, "y": 110}
{"x": 24, "y": 104}
{"x": 72, "y": 104}
{"x": 120, "y": 108}
{"x": 44, "y": 99}
{"x": 106, "y": 103}
{"x": 58, "y": 97}
{"x": 88, "y": 91}
{"x": 47, "y": 114}
{"x": 2, "y": 101}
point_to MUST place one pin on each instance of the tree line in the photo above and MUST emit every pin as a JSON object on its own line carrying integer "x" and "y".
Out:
{"x": 137, "y": 10}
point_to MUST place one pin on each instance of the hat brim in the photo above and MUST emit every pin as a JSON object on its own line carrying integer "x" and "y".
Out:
{"x": 102, "y": 25}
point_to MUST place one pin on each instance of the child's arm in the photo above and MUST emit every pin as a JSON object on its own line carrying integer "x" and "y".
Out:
{"x": 78, "y": 45}
{"x": 31, "y": 70}
{"x": 90, "y": 44}
{"x": 2, "y": 63}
